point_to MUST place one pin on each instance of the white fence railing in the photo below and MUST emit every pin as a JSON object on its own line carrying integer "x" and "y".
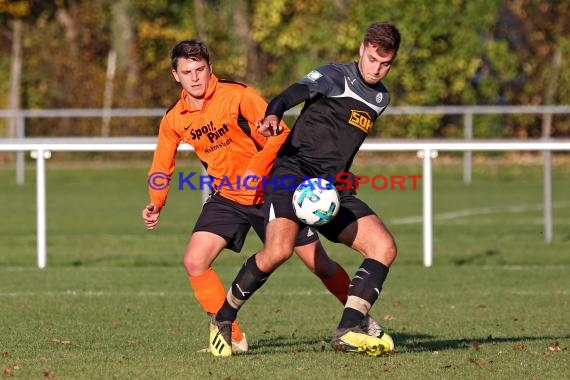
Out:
{"x": 467, "y": 112}
{"x": 41, "y": 148}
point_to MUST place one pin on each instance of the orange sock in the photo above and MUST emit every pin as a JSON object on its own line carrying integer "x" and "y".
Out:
{"x": 338, "y": 284}
{"x": 210, "y": 294}
{"x": 237, "y": 334}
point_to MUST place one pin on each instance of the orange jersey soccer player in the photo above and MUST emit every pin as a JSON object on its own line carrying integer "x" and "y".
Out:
{"x": 218, "y": 119}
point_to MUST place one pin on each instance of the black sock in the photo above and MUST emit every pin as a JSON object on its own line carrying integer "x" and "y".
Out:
{"x": 249, "y": 279}
{"x": 363, "y": 291}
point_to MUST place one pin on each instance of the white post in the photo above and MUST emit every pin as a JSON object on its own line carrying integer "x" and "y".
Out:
{"x": 20, "y": 163}
{"x": 426, "y": 154}
{"x": 547, "y": 185}
{"x": 41, "y": 208}
{"x": 467, "y": 155}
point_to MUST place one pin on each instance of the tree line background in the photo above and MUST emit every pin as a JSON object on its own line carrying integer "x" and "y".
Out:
{"x": 115, "y": 53}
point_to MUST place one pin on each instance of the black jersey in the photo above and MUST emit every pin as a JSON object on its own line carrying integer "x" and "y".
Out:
{"x": 333, "y": 123}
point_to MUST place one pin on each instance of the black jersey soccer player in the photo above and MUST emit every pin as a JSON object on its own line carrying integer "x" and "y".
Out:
{"x": 342, "y": 101}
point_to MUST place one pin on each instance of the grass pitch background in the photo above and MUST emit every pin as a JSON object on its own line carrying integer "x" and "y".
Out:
{"x": 114, "y": 302}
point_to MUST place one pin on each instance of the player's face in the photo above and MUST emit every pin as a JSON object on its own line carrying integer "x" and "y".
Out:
{"x": 193, "y": 76}
{"x": 373, "y": 66}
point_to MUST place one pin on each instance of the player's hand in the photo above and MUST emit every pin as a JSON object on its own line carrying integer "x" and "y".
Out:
{"x": 251, "y": 179}
{"x": 269, "y": 126}
{"x": 150, "y": 215}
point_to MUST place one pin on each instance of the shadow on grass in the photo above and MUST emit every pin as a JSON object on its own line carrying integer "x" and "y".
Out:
{"x": 424, "y": 342}
{"x": 478, "y": 258}
{"x": 404, "y": 343}
{"x": 287, "y": 344}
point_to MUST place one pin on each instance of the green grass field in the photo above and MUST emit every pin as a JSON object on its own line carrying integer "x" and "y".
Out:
{"x": 114, "y": 301}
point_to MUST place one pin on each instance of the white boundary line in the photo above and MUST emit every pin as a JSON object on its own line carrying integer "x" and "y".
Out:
{"x": 464, "y": 213}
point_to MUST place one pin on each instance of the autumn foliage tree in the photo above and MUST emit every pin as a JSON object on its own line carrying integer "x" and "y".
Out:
{"x": 493, "y": 52}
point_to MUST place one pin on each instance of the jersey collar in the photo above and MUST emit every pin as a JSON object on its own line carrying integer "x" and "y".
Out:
{"x": 212, "y": 84}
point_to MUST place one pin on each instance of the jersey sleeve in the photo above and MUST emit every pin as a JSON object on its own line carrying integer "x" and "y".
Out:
{"x": 319, "y": 80}
{"x": 253, "y": 107}
{"x": 163, "y": 163}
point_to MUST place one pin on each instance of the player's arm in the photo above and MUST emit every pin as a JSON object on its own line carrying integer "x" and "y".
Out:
{"x": 160, "y": 173}
{"x": 295, "y": 94}
{"x": 252, "y": 107}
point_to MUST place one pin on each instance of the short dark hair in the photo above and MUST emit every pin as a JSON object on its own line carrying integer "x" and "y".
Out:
{"x": 384, "y": 35}
{"x": 193, "y": 49}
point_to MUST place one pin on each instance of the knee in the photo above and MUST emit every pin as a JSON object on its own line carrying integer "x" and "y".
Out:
{"x": 188, "y": 264}
{"x": 281, "y": 254}
{"x": 270, "y": 259}
{"x": 388, "y": 253}
{"x": 392, "y": 252}
{"x": 384, "y": 252}
{"x": 193, "y": 266}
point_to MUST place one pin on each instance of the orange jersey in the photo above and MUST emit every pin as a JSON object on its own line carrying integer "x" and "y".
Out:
{"x": 224, "y": 138}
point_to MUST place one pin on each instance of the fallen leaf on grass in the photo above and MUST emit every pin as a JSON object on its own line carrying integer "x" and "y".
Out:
{"x": 9, "y": 371}
{"x": 59, "y": 341}
{"x": 452, "y": 366}
{"x": 554, "y": 347}
{"x": 389, "y": 317}
{"x": 5, "y": 354}
{"x": 475, "y": 345}
{"x": 519, "y": 346}
{"x": 477, "y": 364}
{"x": 390, "y": 367}
{"x": 48, "y": 374}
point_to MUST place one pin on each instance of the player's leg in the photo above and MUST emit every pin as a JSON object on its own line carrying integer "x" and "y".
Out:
{"x": 221, "y": 224}
{"x": 369, "y": 236}
{"x": 332, "y": 274}
{"x": 203, "y": 248}
{"x": 279, "y": 242}
{"x": 310, "y": 250}
{"x": 201, "y": 252}
{"x": 358, "y": 227}
{"x": 281, "y": 229}
{"x": 278, "y": 247}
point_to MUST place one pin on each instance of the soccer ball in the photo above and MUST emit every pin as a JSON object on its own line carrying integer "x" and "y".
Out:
{"x": 316, "y": 201}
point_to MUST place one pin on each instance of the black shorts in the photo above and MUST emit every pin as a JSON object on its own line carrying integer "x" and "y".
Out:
{"x": 278, "y": 204}
{"x": 232, "y": 221}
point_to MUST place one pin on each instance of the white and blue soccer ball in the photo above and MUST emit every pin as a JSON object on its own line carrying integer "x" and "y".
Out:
{"x": 316, "y": 201}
